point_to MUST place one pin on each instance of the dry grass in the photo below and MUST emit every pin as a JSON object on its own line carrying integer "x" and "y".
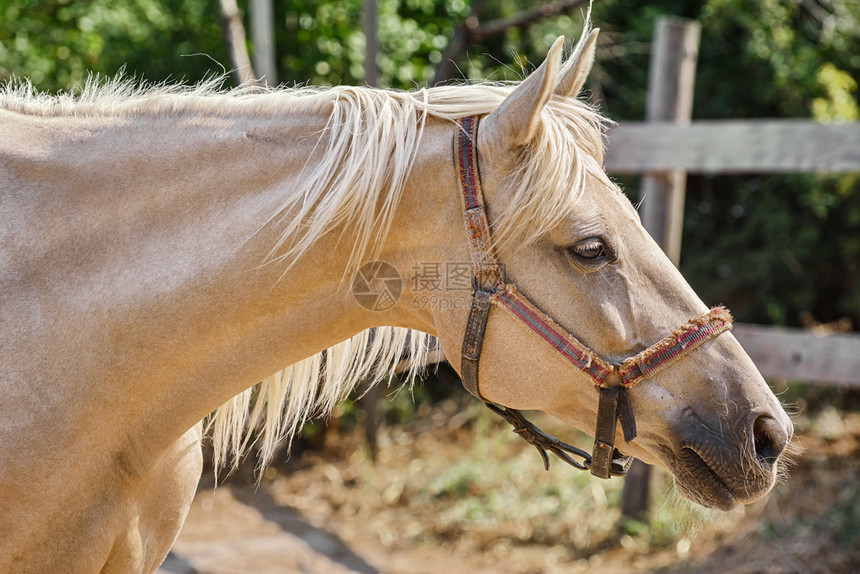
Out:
{"x": 454, "y": 489}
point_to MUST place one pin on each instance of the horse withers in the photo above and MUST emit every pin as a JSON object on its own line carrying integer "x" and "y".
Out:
{"x": 162, "y": 250}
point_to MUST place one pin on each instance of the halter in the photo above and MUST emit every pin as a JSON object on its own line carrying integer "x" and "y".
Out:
{"x": 490, "y": 287}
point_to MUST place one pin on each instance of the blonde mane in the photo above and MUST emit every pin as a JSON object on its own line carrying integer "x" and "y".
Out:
{"x": 370, "y": 144}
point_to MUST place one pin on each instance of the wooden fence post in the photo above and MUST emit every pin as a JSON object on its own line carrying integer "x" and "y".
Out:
{"x": 370, "y": 19}
{"x": 674, "y": 51}
{"x": 263, "y": 41}
{"x": 371, "y": 400}
{"x": 671, "y": 77}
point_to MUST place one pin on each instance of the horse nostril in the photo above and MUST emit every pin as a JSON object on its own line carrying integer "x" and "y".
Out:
{"x": 769, "y": 440}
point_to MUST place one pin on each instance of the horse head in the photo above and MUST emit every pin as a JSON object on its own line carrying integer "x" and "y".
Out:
{"x": 559, "y": 246}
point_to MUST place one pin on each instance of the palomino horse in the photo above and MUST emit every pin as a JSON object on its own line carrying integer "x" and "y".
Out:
{"x": 162, "y": 250}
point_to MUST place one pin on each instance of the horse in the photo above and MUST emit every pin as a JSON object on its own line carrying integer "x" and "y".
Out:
{"x": 164, "y": 249}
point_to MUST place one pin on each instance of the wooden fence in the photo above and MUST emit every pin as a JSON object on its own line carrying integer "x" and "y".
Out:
{"x": 668, "y": 146}
{"x": 756, "y": 146}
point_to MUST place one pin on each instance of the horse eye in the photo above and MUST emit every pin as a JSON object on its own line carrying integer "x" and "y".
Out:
{"x": 591, "y": 249}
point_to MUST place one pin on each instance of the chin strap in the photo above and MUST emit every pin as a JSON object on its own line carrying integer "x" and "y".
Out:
{"x": 612, "y": 380}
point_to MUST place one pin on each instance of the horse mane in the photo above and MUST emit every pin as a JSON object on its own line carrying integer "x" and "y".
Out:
{"x": 370, "y": 144}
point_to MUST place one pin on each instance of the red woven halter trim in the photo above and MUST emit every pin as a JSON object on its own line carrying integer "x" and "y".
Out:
{"x": 632, "y": 370}
{"x": 612, "y": 380}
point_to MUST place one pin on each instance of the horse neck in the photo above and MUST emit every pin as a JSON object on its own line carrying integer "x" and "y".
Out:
{"x": 150, "y": 247}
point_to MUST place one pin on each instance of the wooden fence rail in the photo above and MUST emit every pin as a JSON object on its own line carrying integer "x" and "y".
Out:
{"x": 735, "y": 146}
{"x": 784, "y": 353}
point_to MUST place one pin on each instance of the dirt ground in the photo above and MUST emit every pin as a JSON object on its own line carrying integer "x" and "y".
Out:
{"x": 458, "y": 493}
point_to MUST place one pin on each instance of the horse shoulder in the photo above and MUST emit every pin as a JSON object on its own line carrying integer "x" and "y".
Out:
{"x": 160, "y": 504}
{"x": 114, "y": 522}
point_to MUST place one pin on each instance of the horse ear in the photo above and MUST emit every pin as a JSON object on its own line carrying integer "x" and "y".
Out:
{"x": 575, "y": 70}
{"x": 514, "y": 123}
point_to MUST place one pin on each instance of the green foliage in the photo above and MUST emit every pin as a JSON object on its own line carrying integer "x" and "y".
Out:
{"x": 774, "y": 248}
{"x": 502, "y": 490}
{"x": 322, "y": 42}
{"x": 770, "y": 247}
{"x": 56, "y": 43}
{"x": 839, "y": 103}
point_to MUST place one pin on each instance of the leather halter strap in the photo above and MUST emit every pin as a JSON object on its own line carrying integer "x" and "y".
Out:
{"x": 612, "y": 380}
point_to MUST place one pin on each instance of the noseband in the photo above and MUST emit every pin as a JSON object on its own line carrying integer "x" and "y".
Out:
{"x": 490, "y": 287}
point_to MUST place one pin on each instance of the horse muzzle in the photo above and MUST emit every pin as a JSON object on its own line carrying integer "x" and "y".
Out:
{"x": 721, "y": 463}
